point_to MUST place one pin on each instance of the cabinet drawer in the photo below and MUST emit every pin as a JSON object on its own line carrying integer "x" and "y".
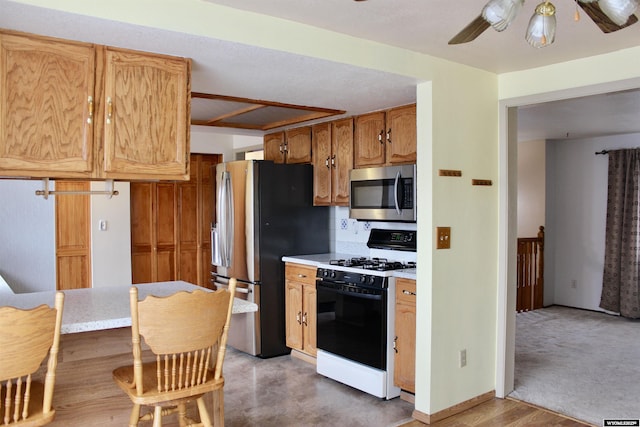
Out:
{"x": 406, "y": 291}
{"x": 301, "y": 273}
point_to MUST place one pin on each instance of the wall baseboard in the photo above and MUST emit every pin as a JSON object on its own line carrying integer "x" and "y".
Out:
{"x": 455, "y": 409}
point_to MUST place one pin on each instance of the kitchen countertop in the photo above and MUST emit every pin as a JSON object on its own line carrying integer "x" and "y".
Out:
{"x": 93, "y": 309}
{"x": 322, "y": 261}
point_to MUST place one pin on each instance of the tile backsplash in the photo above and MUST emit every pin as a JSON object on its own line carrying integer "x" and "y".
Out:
{"x": 350, "y": 235}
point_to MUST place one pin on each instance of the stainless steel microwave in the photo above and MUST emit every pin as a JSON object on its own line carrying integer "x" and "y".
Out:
{"x": 383, "y": 194}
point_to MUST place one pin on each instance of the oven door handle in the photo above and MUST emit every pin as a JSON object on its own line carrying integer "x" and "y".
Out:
{"x": 374, "y": 297}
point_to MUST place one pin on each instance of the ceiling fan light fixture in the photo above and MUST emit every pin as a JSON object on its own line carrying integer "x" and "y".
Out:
{"x": 541, "y": 31}
{"x": 618, "y": 11}
{"x": 501, "y": 13}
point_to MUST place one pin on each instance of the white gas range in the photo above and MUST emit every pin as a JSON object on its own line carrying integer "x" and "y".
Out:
{"x": 356, "y": 315}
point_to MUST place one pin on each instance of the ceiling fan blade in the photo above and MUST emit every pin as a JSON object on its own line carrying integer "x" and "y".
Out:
{"x": 602, "y": 21}
{"x": 471, "y": 31}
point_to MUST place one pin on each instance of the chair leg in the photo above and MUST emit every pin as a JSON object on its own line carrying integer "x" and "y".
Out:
{"x": 218, "y": 407}
{"x": 182, "y": 414}
{"x": 157, "y": 416}
{"x": 204, "y": 414}
{"x": 135, "y": 416}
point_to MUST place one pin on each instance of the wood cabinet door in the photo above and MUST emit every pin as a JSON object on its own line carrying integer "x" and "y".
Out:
{"x": 153, "y": 232}
{"x": 187, "y": 224}
{"x": 206, "y": 210}
{"x": 142, "y": 231}
{"x": 309, "y": 320}
{"x": 146, "y": 115}
{"x": 46, "y": 93}
{"x": 73, "y": 236}
{"x": 293, "y": 314}
{"x": 274, "y": 147}
{"x": 341, "y": 161}
{"x": 298, "y": 143}
{"x": 369, "y": 145}
{"x": 166, "y": 232}
{"x": 401, "y": 135}
{"x": 405, "y": 335}
{"x": 321, "y": 138}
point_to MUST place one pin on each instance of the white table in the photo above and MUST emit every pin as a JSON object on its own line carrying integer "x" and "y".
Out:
{"x": 94, "y": 309}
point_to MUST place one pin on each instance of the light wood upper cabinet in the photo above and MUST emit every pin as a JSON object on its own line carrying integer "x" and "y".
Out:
{"x": 46, "y": 98}
{"x": 146, "y": 116}
{"x": 291, "y": 146}
{"x": 274, "y": 147}
{"x": 369, "y": 140}
{"x": 332, "y": 161}
{"x": 386, "y": 138}
{"x": 401, "y": 135}
{"x": 78, "y": 110}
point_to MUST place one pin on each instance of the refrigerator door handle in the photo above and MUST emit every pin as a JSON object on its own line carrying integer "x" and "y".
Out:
{"x": 229, "y": 215}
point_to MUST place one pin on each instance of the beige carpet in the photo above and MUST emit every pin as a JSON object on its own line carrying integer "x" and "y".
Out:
{"x": 580, "y": 363}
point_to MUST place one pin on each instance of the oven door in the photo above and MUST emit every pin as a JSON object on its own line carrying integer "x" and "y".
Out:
{"x": 352, "y": 322}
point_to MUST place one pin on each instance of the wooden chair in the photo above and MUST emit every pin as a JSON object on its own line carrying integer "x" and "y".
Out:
{"x": 187, "y": 333}
{"x": 26, "y": 337}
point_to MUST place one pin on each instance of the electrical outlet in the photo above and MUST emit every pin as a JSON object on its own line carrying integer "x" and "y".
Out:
{"x": 463, "y": 358}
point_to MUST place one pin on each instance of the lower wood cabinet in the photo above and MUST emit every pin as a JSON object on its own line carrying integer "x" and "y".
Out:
{"x": 405, "y": 335}
{"x": 300, "y": 303}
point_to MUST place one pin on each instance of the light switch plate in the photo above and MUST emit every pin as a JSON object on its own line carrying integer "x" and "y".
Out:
{"x": 443, "y": 236}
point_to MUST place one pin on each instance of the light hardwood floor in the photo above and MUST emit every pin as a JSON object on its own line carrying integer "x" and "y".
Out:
{"x": 259, "y": 392}
{"x": 503, "y": 413}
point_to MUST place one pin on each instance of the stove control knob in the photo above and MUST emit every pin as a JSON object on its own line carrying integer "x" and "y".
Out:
{"x": 363, "y": 278}
{"x": 372, "y": 279}
{"x": 325, "y": 272}
{"x": 333, "y": 274}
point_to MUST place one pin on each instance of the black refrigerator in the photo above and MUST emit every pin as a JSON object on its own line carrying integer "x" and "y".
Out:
{"x": 264, "y": 211}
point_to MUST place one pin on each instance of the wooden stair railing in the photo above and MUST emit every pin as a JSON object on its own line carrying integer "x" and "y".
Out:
{"x": 530, "y": 272}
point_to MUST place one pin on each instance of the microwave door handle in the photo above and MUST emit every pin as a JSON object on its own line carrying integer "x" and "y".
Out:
{"x": 396, "y": 190}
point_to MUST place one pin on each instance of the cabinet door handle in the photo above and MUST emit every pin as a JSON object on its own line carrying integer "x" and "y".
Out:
{"x": 395, "y": 347}
{"x": 109, "y": 110}
{"x": 406, "y": 292}
{"x": 304, "y": 319}
{"x": 302, "y": 276}
{"x": 298, "y": 318}
{"x": 333, "y": 160}
{"x": 389, "y": 136}
{"x": 326, "y": 163}
{"x": 380, "y": 136}
{"x": 90, "y": 106}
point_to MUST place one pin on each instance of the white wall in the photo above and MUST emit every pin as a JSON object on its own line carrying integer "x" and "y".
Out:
{"x": 27, "y": 236}
{"x": 576, "y": 218}
{"x": 531, "y": 187}
{"x": 111, "y": 248}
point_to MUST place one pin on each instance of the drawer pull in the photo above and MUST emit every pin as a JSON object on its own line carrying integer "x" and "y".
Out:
{"x": 302, "y": 276}
{"x": 406, "y": 292}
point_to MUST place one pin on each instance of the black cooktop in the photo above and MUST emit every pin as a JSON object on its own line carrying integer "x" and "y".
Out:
{"x": 378, "y": 264}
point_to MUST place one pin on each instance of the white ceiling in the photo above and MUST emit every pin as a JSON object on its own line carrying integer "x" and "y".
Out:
{"x": 235, "y": 69}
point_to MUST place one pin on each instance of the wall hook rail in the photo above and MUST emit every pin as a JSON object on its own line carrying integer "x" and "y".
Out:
{"x": 109, "y": 190}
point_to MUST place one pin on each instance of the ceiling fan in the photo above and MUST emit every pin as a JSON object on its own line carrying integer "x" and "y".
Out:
{"x": 609, "y": 16}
